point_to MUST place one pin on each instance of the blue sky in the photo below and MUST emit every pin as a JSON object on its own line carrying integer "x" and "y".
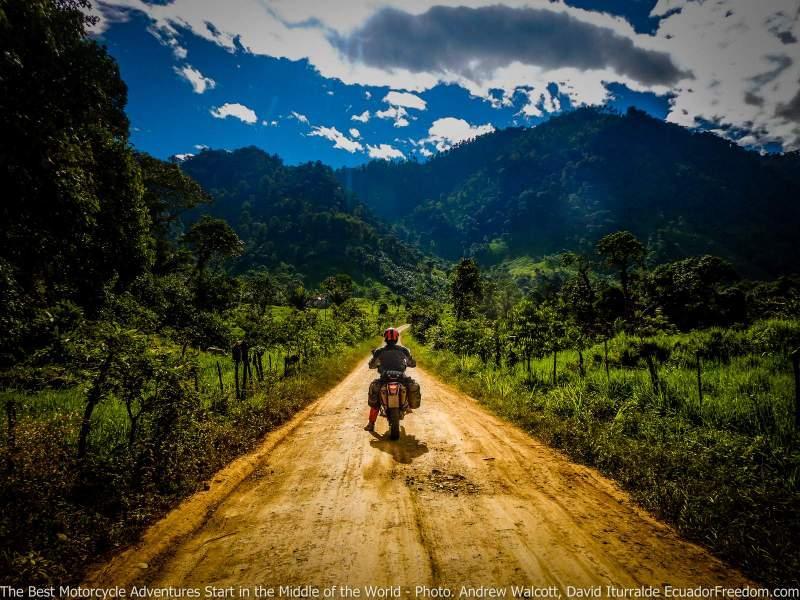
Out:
{"x": 308, "y": 83}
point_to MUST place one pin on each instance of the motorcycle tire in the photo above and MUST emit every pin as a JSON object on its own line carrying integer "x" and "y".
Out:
{"x": 394, "y": 423}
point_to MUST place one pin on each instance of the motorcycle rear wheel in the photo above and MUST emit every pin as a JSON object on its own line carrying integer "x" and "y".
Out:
{"x": 393, "y": 415}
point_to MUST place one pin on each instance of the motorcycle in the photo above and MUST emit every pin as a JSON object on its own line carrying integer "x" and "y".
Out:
{"x": 394, "y": 401}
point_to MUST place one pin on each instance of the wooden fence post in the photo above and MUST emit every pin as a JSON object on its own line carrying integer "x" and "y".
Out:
{"x": 651, "y": 366}
{"x": 700, "y": 378}
{"x": 11, "y": 418}
{"x": 219, "y": 374}
{"x": 605, "y": 358}
{"x": 237, "y": 358}
{"x": 796, "y": 368}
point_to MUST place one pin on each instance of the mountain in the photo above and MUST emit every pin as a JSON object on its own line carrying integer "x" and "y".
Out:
{"x": 569, "y": 181}
{"x": 298, "y": 215}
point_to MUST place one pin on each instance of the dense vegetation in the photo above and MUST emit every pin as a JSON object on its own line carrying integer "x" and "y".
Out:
{"x": 679, "y": 381}
{"x": 566, "y": 183}
{"x": 300, "y": 216}
{"x": 113, "y": 297}
{"x": 157, "y": 318}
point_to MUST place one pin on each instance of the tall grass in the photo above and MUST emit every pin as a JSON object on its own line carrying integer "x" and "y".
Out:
{"x": 726, "y": 471}
{"x": 58, "y": 513}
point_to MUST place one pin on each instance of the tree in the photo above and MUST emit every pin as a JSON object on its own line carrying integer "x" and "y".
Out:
{"x": 74, "y": 218}
{"x": 579, "y": 302}
{"x": 338, "y": 288}
{"x": 528, "y": 331}
{"x": 557, "y": 334}
{"x": 168, "y": 193}
{"x": 212, "y": 239}
{"x": 507, "y": 294}
{"x": 466, "y": 289}
{"x": 104, "y": 356}
{"x": 698, "y": 292}
{"x": 622, "y": 251}
{"x": 298, "y": 297}
{"x": 261, "y": 288}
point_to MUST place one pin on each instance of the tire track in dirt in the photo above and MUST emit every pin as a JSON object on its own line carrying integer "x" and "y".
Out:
{"x": 463, "y": 498}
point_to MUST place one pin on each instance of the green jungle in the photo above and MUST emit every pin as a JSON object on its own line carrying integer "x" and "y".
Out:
{"x": 625, "y": 289}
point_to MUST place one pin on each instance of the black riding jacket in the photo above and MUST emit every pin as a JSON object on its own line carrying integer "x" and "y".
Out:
{"x": 391, "y": 357}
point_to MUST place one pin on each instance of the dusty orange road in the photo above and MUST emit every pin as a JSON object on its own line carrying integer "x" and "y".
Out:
{"x": 463, "y": 498}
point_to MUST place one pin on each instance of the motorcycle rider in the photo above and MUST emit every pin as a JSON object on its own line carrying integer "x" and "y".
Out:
{"x": 390, "y": 357}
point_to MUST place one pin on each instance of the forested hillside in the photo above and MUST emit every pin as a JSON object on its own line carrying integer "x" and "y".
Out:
{"x": 299, "y": 216}
{"x": 566, "y": 183}
{"x": 137, "y": 354}
{"x": 158, "y": 318}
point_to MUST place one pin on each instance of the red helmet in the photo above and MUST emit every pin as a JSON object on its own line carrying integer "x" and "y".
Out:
{"x": 391, "y": 335}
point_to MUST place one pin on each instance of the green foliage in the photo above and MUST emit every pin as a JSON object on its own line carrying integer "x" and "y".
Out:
{"x": 622, "y": 251}
{"x": 74, "y": 218}
{"x": 698, "y": 292}
{"x": 466, "y": 290}
{"x": 721, "y": 470}
{"x": 298, "y": 297}
{"x": 581, "y": 175}
{"x": 683, "y": 420}
{"x": 212, "y": 239}
{"x": 168, "y": 194}
{"x": 158, "y": 428}
{"x": 261, "y": 288}
{"x": 112, "y": 411}
{"x": 301, "y": 216}
{"x": 338, "y": 288}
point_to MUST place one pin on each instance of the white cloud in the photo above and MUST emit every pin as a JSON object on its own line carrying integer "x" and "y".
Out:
{"x": 384, "y": 151}
{"x": 405, "y": 99}
{"x": 540, "y": 101}
{"x": 746, "y": 63}
{"x": 300, "y": 117}
{"x": 183, "y": 157}
{"x": 397, "y": 113}
{"x": 200, "y": 147}
{"x": 363, "y": 117}
{"x": 179, "y": 51}
{"x": 445, "y": 133}
{"x": 367, "y": 94}
{"x": 200, "y": 83}
{"x": 732, "y": 54}
{"x": 355, "y": 133}
{"x": 425, "y": 152}
{"x": 338, "y": 138}
{"x": 272, "y": 123}
{"x": 236, "y": 110}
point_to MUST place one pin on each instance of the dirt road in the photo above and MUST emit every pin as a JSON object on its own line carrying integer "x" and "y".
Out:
{"x": 462, "y": 499}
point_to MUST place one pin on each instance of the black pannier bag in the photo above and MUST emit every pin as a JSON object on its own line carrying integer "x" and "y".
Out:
{"x": 374, "y": 394}
{"x": 414, "y": 394}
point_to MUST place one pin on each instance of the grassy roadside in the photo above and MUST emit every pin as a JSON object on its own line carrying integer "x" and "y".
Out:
{"x": 734, "y": 492}
{"x": 60, "y": 515}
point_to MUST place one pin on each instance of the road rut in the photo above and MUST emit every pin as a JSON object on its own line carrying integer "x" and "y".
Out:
{"x": 463, "y": 498}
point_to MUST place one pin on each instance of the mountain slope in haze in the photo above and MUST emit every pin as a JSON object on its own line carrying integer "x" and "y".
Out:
{"x": 298, "y": 215}
{"x": 567, "y": 182}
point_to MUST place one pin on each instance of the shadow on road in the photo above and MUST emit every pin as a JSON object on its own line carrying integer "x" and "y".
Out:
{"x": 404, "y": 450}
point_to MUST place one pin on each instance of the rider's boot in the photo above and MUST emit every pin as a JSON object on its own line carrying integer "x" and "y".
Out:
{"x": 373, "y": 416}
